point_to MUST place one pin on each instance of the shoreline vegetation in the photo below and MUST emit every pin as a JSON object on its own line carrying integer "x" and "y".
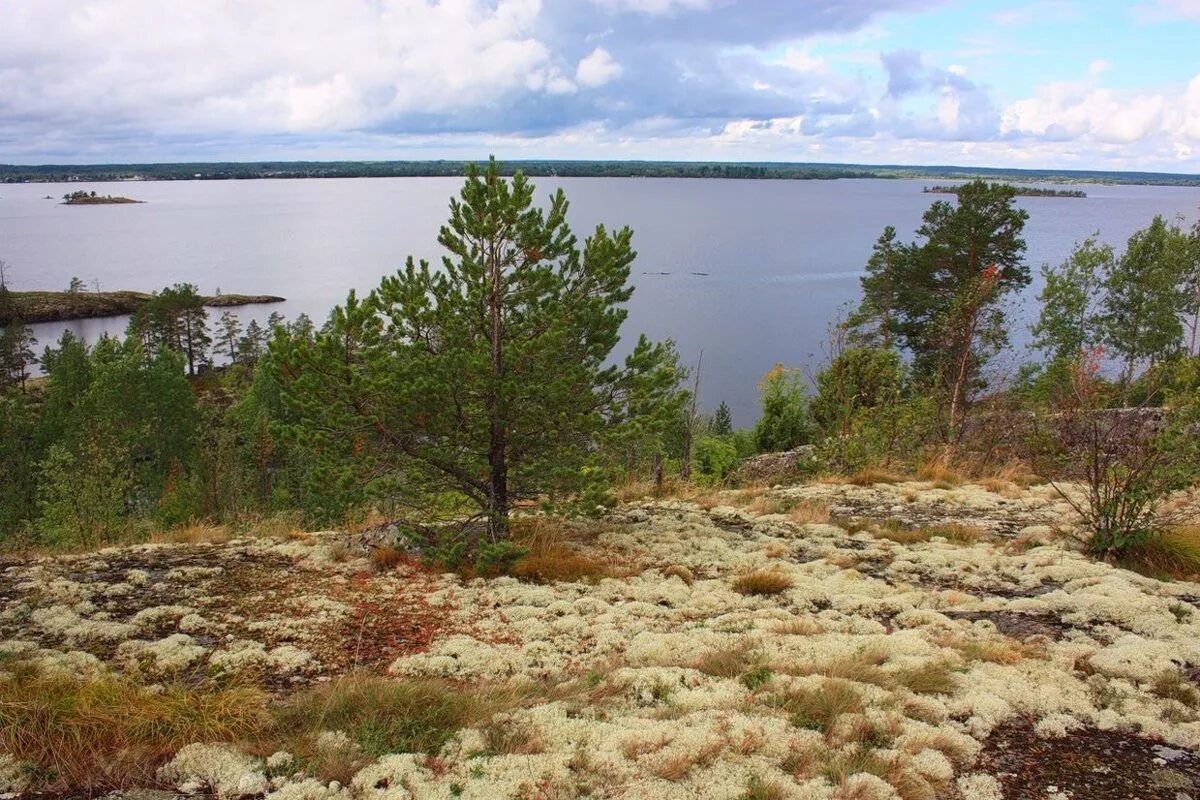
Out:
{"x": 30, "y": 307}
{"x": 59, "y": 173}
{"x": 1019, "y": 191}
{"x": 82, "y": 198}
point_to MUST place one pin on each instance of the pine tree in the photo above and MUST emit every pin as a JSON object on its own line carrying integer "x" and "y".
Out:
{"x": 722, "y": 421}
{"x": 490, "y": 376}
{"x": 942, "y": 295}
{"x": 229, "y": 330}
{"x": 874, "y": 322}
{"x": 251, "y": 346}
{"x": 16, "y": 353}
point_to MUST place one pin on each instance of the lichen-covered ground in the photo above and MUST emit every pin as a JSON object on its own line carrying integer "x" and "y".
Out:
{"x": 991, "y": 670}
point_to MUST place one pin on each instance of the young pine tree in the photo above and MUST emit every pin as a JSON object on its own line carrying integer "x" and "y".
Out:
{"x": 489, "y": 377}
{"x": 722, "y": 421}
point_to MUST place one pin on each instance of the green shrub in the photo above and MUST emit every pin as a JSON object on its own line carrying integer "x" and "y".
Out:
{"x": 785, "y": 422}
{"x": 715, "y": 457}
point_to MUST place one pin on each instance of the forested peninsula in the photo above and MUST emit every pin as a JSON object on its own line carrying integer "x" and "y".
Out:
{"x": 61, "y": 306}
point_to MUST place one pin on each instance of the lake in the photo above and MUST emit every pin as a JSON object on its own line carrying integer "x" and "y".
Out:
{"x": 780, "y": 257}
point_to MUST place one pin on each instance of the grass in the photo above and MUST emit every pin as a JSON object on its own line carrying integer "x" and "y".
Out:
{"x": 678, "y": 571}
{"x": 871, "y": 477}
{"x": 387, "y": 716}
{"x": 555, "y": 554}
{"x": 762, "y": 583}
{"x": 386, "y": 558}
{"x": 862, "y": 666}
{"x": 955, "y": 532}
{"x": 931, "y": 677}
{"x": 809, "y": 512}
{"x": 195, "y": 532}
{"x": 798, "y": 626}
{"x": 818, "y": 708}
{"x": 759, "y": 789}
{"x": 1174, "y": 685}
{"x": 111, "y": 733}
{"x": 1173, "y": 554}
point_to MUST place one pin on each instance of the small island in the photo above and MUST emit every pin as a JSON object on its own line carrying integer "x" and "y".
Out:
{"x": 1021, "y": 191}
{"x": 82, "y": 198}
{"x": 62, "y": 306}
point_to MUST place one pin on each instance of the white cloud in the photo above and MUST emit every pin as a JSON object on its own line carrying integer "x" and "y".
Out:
{"x": 597, "y": 68}
{"x": 1167, "y": 11}
{"x": 278, "y": 65}
{"x": 653, "y": 7}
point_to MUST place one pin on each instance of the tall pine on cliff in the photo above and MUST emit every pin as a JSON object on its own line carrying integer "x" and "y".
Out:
{"x": 488, "y": 378}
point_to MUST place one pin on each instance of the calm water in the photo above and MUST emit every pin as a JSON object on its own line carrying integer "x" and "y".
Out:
{"x": 781, "y": 257}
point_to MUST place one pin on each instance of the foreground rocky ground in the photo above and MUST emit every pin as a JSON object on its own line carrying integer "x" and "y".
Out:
{"x": 729, "y": 652}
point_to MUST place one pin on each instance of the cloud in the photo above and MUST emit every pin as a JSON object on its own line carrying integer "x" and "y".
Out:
{"x": 597, "y": 68}
{"x": 1167, "y": 11}
{"x": 1087, "y": 112}
{"x": 120, "y": 80}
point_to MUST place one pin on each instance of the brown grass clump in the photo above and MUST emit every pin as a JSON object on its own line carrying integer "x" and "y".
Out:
{"x": 1174, "y": 685}
{"x": 770, "y": 504}
{"x": 938, "y": 471}
{"x": 195, "y": 532}
{"x": 818, "y": 708}
{"x": 111, "y": 733}
{"x": 386, "y": 558}
{"x": 759, "y": 789}
{"x": 932, "y": 677}
{"x": 277, "y": 526}
{"x": 635, "y": 748}
{"x": 762, "y": 583}
{"x": 798, "y": 626}
{"x": 504, "y": 736}
{"x": 1002, "y": 487}
{"x": 809, "y": 512}
{"x": 997, "y": 650}
{"x": 679, "y": 571}
{"x": 1172, "y": 554}
{"x": 552, "y": 555}
{"x": 871, "y": 477}
{"x": 862, "y": 666}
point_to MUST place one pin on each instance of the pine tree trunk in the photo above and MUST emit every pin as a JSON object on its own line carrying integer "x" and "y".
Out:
{"x": 497, "y": 455}
{"x": 658, "y": 474}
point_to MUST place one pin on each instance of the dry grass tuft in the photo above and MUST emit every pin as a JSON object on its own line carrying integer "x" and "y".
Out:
{"x": 871, "y": 477}
{"x": 862, "y": 666}
{"x": 1173, "y": 554}
{"x": 762, "y": 583}
{"x": 993, "y": 650}
{"x": 679, "y": 571}
{"x": 1004, "y": 488}
{"x": 931, "y": 677}
{"x": 818, "y": 708}
{"x": 111, "y": 733}
{"x": 759, "y": 789}
{"x": 798, "y": 626}
{"x": 554, "y": 555}
{"x": 195, "y": 532}
{"x": 504, "y": 736}
{"x": 938, "y": 471}
{"x": 277, "y": 526}
{"x": 1174, "y": 685}
{"x": 386, "y": 558}
{"x": 809, "y": 511}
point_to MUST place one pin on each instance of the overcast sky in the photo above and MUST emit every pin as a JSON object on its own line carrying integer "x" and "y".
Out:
{"x": 1048, "y": 83}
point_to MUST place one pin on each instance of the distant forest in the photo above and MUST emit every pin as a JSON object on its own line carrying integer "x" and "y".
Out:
{"x": 50, "y": 173}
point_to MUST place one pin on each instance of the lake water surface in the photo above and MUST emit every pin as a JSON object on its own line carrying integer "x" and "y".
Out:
{"x": 780, "y": 257}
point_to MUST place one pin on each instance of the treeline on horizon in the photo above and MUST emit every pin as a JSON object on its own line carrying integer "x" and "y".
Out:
{"x": 452, "y": 397}
{"x": 51, "y": 173}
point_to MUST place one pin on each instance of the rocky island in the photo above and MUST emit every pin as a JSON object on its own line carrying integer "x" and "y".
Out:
{"x": 82, "y": 198}
{"x": 62, "y": 306}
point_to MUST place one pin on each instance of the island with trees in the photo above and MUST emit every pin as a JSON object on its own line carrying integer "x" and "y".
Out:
{"x": 83, "y": 198}
{"x": 79, "y": 303}
{"x": 1018, "y": 191}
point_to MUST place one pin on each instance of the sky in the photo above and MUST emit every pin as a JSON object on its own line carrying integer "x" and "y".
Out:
{"x": 1083, "y": 84}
